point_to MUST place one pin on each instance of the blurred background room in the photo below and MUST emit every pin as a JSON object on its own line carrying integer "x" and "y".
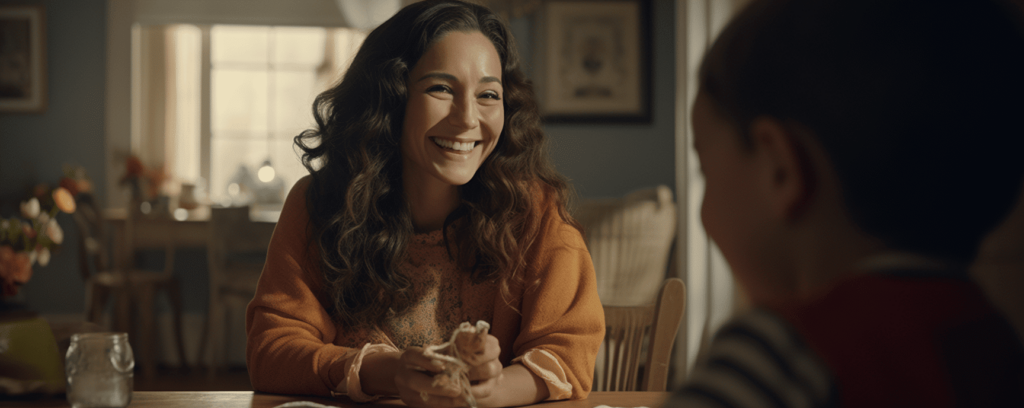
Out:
{"x": 162, "y": 116}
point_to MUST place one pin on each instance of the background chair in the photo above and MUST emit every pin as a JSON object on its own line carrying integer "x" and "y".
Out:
{"x": 636, "y": 331}
{"x": 236, "y": 252}
{"x": 134, "y": 291}
{"x": 630, "y": 241}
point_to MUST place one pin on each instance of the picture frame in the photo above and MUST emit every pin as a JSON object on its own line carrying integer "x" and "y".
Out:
{"x": 22, "y": 59}
{"x": 593, "y": 61}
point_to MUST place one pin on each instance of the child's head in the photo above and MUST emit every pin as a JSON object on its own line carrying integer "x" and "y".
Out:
{"x": 918, "y": 106}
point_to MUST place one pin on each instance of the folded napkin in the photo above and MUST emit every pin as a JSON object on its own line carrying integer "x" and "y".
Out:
{"x": 605, "y": 406}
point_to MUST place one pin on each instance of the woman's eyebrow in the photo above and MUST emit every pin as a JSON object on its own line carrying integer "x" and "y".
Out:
{"x": 439, "y": 75}
{"x": 450, "y": 77}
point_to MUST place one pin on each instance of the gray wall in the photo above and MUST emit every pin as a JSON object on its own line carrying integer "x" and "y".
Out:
{"x": 601, "y": 160}
{"x": 609, "y": 160}
{"x": 33, "y": 147}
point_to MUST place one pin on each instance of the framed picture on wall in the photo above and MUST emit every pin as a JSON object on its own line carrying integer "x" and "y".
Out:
{"x": 22, "y": 59}
{"x": 594, "y": 61}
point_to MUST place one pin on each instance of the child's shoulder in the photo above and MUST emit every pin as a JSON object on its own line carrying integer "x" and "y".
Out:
{"x": 758, "y": 359}
{"x": 934, "y": 336}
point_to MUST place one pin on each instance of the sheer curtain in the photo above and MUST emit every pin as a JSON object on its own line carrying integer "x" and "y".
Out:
{"x": 153, "y": 93}
{"x": 166, "y": 91}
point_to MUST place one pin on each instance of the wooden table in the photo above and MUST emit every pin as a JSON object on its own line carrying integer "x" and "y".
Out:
{"x": 247, "y": 399}
{"x": 156, "y": 231}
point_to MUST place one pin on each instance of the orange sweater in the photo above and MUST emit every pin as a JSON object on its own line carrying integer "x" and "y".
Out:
{"x": 294, "y": 347}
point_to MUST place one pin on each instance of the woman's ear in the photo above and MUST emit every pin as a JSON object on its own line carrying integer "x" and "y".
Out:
{"x": 788, "y": 177}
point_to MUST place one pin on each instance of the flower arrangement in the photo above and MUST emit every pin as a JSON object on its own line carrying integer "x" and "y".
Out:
{"x": 33, "y": 238}
{"x": 145, "y": 182}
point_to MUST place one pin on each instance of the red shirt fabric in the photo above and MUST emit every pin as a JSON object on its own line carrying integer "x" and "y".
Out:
{"x": 902, "y": 340}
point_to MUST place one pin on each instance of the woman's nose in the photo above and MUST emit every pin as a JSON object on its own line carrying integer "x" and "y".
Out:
{"x": 464, "y": 114}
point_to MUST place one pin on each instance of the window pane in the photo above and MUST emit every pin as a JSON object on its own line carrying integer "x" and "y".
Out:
{"x": 263, "y": 81}
{"x": 286, "y": 161}
{"x": 239, "y": 99}
{"x": 234, "y": 43}
{"x": 234, "y": 160}
{"x": 346, "y": 43}
{"x": 299, "y": 45}
{"x": 293, "y": 101}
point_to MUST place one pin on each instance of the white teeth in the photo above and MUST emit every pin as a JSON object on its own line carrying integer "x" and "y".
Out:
{"x": 462, "y": 147}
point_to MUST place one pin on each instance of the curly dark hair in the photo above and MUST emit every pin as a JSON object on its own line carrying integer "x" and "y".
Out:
{"x": 917, "y": 104}
{"x": 358, "y": 211}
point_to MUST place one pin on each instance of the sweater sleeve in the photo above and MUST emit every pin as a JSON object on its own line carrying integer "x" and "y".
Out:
{"x": 562, "y": 323}
{"x": 289, "y": 348}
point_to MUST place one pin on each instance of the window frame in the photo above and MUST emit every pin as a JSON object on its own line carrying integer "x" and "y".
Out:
{"x": 123, "y": 19}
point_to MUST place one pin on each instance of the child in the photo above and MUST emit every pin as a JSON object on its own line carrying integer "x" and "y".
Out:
{"x": 856, "y": 153}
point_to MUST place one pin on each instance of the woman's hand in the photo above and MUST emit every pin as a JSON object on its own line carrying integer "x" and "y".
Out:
{"x": 415, "y": 377}
{"x": 485, "y": 371}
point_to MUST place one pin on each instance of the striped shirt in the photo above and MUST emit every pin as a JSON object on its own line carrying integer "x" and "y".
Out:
{"x": 755, "y": 361}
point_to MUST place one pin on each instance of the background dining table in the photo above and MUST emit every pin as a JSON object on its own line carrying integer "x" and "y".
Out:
{"x": 249, "y": 399}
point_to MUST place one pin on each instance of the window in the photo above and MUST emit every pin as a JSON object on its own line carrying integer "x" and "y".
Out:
{"x": 233, "y": 97}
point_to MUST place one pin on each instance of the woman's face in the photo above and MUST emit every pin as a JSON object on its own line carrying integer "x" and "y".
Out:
{"x": 454, "y": 114}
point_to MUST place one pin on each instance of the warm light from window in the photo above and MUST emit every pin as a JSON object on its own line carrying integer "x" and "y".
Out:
{"x": 262, "y": 80}
{"x": 266, "y": 173}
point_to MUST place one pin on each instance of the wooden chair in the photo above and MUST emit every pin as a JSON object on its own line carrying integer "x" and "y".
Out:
{"x": 630, "y": 241}
{"x": 633, "y": 332}
{"x": 236, "y": 252}
{"x": 133, "y": 291}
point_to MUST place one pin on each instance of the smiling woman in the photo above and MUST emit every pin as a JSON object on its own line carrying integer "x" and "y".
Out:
{"x": 453, "y": 120}
{"x": 430, "y": 202}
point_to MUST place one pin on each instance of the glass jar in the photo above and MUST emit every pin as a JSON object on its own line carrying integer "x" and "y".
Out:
{"x": 99, "y": 368}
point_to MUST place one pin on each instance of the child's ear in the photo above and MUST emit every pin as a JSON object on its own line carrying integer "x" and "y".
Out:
{"x": 788, "y": 174}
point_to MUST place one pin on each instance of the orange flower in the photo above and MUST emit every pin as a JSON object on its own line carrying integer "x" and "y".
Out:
{"x": 84, "y": 185}
{"x": 64, "y": 200}
{"x": 134, "y": 167}
{"x": 15, "y": 267}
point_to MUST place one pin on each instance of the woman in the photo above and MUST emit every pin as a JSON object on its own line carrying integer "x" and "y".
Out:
{"x": 430, "y": 202}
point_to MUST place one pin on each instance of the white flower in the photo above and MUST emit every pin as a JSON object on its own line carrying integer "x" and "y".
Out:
{"x": 54, "y": 231}
{"x": 44, "y": 256}
{"x": 32, "y": 257}
{"x": 44, "y": 218}
{"x": 30, "y": 208}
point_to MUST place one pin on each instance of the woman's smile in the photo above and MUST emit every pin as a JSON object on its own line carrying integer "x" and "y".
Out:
{"x": 455, "y": 146}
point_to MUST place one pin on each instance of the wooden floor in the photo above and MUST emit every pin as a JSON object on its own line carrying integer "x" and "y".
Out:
{"x": 195, "y": 379}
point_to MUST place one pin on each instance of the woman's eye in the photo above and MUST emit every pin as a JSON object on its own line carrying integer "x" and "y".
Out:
{"x": 491, "y": 95}
{"x": 439, "y": 88}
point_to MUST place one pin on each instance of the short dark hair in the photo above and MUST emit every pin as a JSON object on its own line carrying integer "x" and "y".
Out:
{"x": 918, "y": 105}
